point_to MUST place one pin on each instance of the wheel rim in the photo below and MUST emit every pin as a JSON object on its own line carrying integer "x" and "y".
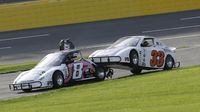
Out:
{"x": 170, "y": 63}
{"x": 101, "y": 75}
{"x": 59, "y": 80}
{"x": 135, "y": 59}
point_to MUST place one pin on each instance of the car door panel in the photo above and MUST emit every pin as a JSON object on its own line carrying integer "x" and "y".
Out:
{"x": 80, "y": 70}
{"x": 152, "y": 56}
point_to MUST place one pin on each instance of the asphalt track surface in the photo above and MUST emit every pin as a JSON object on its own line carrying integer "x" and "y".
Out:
{"x": 22, "y": 45}
{"x": 176, "y": 29}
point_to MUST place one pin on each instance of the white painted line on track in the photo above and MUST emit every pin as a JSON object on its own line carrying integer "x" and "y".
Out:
{"x": 2, "y": 48}
{"x": 184, "y": 36}
{"x": 168, "y": 29}
{"x": 189, "y": 18}
{"x": 24, "y": 37}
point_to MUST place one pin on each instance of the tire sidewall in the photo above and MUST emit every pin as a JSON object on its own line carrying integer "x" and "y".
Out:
{"x": 54, "y": 79}
{"x": 133, "y": 52}
{"x": 166, "y": 67}
{"x": 136, "y": 71}
{"x": 98, "y": 71}
{"x": 135, "y": 67}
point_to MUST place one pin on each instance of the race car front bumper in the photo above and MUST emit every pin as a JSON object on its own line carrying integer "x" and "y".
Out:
{"x": 23, "y": 86}
{"x": 106, "y": 59}
{"x": 177, "y": 64}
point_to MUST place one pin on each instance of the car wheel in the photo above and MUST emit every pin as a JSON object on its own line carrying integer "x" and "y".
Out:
{"x": 169, "y": 63}
{"x": 26, "y": 90}
{"x": 134, "y": 59}
{"x": 100, "y": 74}
{"x": 58, "y": 80}
{"x": 136, "y": 71}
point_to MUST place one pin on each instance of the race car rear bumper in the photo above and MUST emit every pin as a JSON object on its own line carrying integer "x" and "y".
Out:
{"x": 23, "y": 86}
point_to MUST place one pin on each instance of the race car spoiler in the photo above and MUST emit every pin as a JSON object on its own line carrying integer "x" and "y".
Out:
{"x": 21, "y": 86}
{"x": 106, "y": 59}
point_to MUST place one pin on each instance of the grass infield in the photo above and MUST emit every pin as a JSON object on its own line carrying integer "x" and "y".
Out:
{"x": 166, "y": 91}
{"x": 10, "y": 68}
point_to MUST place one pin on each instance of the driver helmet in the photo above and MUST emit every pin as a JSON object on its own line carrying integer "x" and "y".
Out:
{"x": 146, "y": 43}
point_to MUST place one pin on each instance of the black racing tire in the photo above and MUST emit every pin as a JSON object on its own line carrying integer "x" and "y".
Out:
{"x": 26, "y": 90}
{"x": 136, "y": 71}
{"x": 100, "y": 74}
{"x": 134, "y": 60}
{"x": 58, "y": 79}
{"x": 169, "y": 63}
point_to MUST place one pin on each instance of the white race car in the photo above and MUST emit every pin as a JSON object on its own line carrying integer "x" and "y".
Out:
{"x": 137, "y": 53}
{"x": 57, "y": 69}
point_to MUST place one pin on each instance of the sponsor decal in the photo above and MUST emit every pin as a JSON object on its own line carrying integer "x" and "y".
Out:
{"x": 144, "y": 58}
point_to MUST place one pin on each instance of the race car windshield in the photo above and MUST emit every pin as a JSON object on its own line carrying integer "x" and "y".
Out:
{"x": 125, "y": 41}
{"x": 50, "y": 60}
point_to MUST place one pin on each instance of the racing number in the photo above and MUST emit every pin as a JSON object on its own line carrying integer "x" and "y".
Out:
{"x": 77, "y": 71}
{"x": 157, "y": 58}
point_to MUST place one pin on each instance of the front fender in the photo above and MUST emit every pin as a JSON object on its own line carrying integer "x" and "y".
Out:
{"x": 124, "y": 54}
{"x": 47, "y": 76}
{"x": 19, "y": 76}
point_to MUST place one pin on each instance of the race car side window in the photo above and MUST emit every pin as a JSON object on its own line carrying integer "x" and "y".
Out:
{"x": 147, "y": 42}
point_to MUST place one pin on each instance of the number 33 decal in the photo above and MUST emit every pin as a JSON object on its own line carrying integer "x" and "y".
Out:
{"x": 157, "y": 58}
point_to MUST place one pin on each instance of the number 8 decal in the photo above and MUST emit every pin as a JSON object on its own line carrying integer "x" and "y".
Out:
{"x": 77, "y": 72}
{"x": 157, "y": 58}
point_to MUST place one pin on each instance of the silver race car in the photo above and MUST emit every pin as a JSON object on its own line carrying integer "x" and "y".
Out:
{"x": 57, "y": 69}
{"x": 137, "y": 53}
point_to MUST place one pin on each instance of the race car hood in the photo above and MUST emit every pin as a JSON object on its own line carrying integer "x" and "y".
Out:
{"x": 30, "y": 76}
{"x": 106, "y": 52}
{"x": 170, "y": 49}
